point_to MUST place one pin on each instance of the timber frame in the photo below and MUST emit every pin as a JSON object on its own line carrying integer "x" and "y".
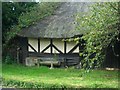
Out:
{"x": 51, "y": 46}
{"x": 59, "y": 25}
{"x": 70, "y": 57}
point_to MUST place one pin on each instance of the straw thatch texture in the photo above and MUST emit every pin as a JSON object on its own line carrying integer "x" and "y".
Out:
{"x": 61, "y": 24}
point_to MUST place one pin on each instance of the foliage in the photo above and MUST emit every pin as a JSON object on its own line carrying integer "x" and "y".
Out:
{"x": 102, "y": 23}
{"x": 38, "y": 12}
{"x": 19, "y": 76}
{"x": 8, "y": 60}
{"x": 11, "y": 12}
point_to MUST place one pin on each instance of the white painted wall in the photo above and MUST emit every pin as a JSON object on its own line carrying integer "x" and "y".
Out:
{"x": 45, "y": 42}
{"x": 70, "y": 45}
{"x": 76, "y": 50}
{"x": 34, "y": 43}
{"x": 59, "y": 44}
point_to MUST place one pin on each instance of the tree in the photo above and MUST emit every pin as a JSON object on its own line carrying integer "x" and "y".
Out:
{"x": 10, "y": 17}
{"x": 11, "y": 12}
{"x": 19, "y": 15}
{"x": 102, "y": 24}
{"x": 27, "y": 17}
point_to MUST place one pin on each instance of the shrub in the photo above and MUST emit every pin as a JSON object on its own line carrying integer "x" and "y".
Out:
{"x": 8, "y": 59}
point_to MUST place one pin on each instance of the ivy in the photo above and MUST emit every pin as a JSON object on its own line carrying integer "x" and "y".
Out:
{"x": 102, "y": 25}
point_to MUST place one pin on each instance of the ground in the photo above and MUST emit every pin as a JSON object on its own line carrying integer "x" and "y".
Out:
{"x": 19, "y": 76}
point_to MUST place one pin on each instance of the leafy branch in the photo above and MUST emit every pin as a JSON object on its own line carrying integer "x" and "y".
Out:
{"x": 101, "y": 22}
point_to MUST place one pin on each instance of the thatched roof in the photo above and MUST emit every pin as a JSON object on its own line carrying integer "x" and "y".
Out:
{"x": 59, "y": 25}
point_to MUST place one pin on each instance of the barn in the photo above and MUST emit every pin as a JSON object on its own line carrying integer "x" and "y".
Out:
{"x": 48, "y": 39}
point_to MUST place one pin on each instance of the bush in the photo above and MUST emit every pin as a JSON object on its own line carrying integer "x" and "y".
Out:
{"x": 8, "y": 59}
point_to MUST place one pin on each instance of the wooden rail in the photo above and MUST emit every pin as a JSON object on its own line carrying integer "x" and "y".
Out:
{"x": 61, "y": 61}
{"x": 47, "y": 61}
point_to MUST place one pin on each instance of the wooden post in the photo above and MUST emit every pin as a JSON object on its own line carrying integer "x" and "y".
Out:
{"x": 39, "y": 45}
{"x": 51, "y": 44}
{"x": 18, "y": 55}
{"x": 38, "y": 63}
{"x": 65, "y": 46}
{"x": 51, "y": 65}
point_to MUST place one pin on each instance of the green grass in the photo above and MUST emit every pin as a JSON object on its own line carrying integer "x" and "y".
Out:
{"x": 33, "y": 77}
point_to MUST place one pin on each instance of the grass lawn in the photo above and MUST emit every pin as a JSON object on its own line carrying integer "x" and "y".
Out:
{"x": 18, "y": 76}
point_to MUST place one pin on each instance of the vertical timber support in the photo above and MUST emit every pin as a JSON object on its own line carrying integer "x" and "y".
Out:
{"x": 38, "y": 45}
{"x": 65, "y": 43}
{"x": 51, "y": 43}
{"x": 65, "y": 49}
{"x": 18, "y": 55}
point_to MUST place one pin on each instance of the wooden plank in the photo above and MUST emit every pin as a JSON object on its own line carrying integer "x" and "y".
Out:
{"x": 36, "y": 54}
{"x": 65, "y": 43}
{"x": 38, "y": 44}
{"x": 51, "y": 55}
{"x": 49, "y": 62}
{"x": 70, "y": 59}
{"x": 51, "y": 44}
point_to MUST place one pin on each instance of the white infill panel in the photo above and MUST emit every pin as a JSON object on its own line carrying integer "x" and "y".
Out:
{"x": 59, "y": 44}
{"x": 43, "y": 44}
{"x": 76, "y": 50}
{"x": 34, "y": 43}
{"x": 70, "y": 45}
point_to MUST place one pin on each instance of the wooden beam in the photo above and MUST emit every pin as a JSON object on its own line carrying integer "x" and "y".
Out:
{"x": 46, "y": 48}
{"x": 57, "y": 49}
{"x": 65, "y": 43}
{"x": 47, "y": 55}
{"x": 51, "y": 44}
{"x": 38, "y": 44}
{"x": 26, "y": 46}
{"x": 32, "y": 47}
{"x": 73, "y": 48}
